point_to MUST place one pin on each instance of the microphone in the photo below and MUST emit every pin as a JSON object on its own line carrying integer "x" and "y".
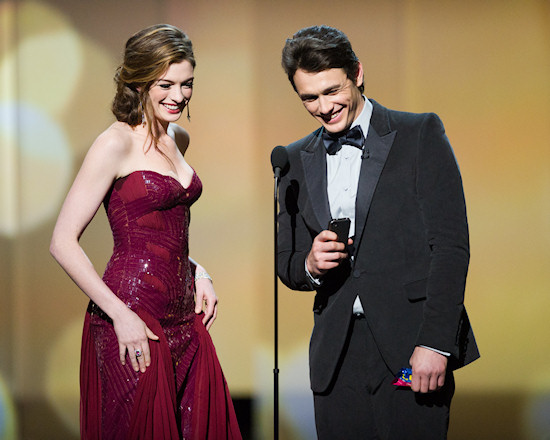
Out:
{"x": 279, "y": 160}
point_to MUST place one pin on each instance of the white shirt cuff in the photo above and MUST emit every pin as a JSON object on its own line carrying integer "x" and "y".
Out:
{"x": 444, "y": 353}
{"x": 315, "y": 281}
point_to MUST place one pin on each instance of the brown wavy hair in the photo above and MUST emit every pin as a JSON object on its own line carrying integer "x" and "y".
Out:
{"x": 147, "y": 56}
{"x": 319, "y": 48}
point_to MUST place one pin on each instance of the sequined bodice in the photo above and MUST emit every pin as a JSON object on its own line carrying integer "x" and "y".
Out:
{"x": 149, "y": 217}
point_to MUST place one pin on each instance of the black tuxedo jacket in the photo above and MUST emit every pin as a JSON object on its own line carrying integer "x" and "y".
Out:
{"x": 411, "y": 248}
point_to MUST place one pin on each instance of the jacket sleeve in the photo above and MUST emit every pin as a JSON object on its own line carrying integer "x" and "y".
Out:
{"x": 294, "y": 237}
{"x": 443, "y": 210}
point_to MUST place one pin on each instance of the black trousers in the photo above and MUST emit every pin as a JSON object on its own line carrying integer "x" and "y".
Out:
{"x": 362, "y": 403}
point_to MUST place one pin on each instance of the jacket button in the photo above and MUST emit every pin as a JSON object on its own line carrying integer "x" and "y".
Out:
{"x": 356, "y": 273}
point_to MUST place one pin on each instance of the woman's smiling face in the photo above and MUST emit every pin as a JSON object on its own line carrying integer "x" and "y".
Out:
{"x": 172, "y": 91}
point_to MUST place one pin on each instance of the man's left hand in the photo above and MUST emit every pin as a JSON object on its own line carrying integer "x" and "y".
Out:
{"x": 428, "y": 370}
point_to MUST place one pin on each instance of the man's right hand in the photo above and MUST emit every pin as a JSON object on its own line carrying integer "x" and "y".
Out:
{"x": 326, "y": 253}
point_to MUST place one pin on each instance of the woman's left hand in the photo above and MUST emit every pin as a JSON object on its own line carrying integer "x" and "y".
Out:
{"x": 205, "y": 295}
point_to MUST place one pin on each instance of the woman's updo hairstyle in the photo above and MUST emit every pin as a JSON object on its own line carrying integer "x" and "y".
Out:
{"x": 147, "y": 56}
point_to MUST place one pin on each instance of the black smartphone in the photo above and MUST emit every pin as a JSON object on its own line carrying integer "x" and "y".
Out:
{"x": 341, "y": 227}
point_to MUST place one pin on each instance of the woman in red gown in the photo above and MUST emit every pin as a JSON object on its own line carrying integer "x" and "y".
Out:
{"x": 148, "y": 367}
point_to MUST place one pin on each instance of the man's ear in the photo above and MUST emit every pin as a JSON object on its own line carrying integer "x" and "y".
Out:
{"x": 359, "y": 78}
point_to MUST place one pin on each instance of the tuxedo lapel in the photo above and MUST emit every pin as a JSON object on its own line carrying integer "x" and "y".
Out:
{"x": 315, "y": 169}
{"x": 374, "y": 157}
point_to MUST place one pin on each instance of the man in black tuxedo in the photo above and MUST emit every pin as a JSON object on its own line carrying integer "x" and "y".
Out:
{"x": 392, "y": 296}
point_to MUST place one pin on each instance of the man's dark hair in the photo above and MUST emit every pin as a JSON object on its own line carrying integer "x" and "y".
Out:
{"x": 319, "y": 48}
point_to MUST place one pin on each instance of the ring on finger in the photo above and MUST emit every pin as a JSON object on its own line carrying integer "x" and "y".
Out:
{"x": 138, "y": 352}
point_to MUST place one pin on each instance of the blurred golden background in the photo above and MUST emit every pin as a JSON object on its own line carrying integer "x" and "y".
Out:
{"x": 483, "y": 66}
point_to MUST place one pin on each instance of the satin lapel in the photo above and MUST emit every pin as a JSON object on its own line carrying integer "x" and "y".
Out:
{"x": 315, "y": 169}
{"x": 374, "y": 158}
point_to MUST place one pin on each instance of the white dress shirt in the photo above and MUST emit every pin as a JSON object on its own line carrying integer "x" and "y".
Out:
{"x": 343, "y": 169}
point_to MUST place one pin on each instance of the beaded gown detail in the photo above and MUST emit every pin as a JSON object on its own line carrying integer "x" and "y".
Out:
{"x": 183, "y": 394}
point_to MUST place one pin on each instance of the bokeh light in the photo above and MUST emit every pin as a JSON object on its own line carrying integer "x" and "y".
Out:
{"x": 8, "y": 426}
{"x": 62, "y": 374}
{"x": 42, "y": 70}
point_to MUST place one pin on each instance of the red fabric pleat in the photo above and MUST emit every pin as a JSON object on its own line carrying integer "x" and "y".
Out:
{"x": 90, "y": 388}
{"x": 213, "y": 413}
{"x": 154, "y": 411}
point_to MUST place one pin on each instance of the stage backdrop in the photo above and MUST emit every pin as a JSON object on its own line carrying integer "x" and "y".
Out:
{"x": 482, "y": 66}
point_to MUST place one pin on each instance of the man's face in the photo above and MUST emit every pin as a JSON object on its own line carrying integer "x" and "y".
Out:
{"x": 330, "y": 97}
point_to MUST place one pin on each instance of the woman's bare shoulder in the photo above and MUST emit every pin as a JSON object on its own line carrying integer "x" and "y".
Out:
{"x": 113, "y": 147}
{"x": 118, "y": 137}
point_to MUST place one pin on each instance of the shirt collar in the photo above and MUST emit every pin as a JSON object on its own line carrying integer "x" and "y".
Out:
{"x": 364, "y": 117}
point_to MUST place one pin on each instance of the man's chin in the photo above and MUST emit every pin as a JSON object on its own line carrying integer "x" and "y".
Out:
{"x": 335, "y": 129}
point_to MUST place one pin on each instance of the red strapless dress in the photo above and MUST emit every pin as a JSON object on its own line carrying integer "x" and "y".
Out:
{"x": 183, "y": 394}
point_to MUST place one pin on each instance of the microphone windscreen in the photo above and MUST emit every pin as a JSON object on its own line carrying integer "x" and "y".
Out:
{"x": 279, "y": 158}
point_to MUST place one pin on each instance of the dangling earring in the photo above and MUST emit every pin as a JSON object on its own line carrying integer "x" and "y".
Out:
{"x": 188, "y": 115}
{"x": 143, "y": 120}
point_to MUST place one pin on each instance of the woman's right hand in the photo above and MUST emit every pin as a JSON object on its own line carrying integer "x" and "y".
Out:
{"x": 133, "y": 337}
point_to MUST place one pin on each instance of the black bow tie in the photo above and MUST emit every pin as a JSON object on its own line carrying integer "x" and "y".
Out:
{"x": 353, "y": 137}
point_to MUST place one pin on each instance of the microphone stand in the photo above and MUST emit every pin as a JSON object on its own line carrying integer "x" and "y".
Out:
{"x": 279, "y": 161}
{"x": 276, "y": 313}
